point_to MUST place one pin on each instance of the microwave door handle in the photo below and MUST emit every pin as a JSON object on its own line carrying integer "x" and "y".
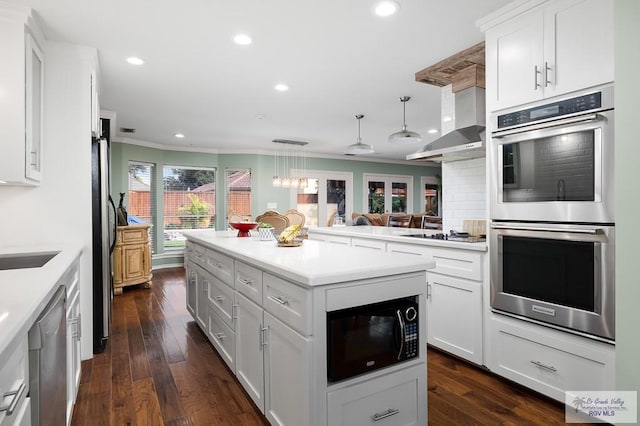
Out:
{"x": 547, "y": 125}
{"x": 402, "y": 333}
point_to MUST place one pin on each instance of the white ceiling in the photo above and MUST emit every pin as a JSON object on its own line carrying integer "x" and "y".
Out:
{"x": 337, "y": 57}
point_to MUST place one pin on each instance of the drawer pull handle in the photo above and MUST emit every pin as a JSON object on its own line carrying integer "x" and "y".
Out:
{"x": 219, "y": 298}
{"x": 379, "y": 416}
{"x": 218, "y": 265}
{"x": 234, "y": 309}
{"x": 246, "y": 281}
{"x": 279, "y": 300}
{"x": 220, "y": 336}
{"x": 546, "y": 367}
{"x": 14, "y": 402}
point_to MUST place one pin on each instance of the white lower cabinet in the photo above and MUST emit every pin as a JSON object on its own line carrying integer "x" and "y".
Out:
{"x": 202, "y": 310}
{"x": 249, "y": 347}
{"x": 454, "y": 316}
{"x": 222, "y": 337}
{"x": 370, "y": 244}
{"x": 387, "y": 400}
{"x": 287, "y": 362}
{"x": 192, "y": 288}
{"x": 549, "y": 361}
{"x": 14, "y": 386}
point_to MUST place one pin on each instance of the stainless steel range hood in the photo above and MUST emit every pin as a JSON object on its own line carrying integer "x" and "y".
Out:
{"x": 466, "y": 141}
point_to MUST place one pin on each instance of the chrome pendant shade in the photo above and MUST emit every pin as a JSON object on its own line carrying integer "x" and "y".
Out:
{"x": 404, "y": 135}
{"x": 359, "y": 148}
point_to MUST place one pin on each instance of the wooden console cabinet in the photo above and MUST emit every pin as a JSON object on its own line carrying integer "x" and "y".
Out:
{"x": 132, "y": 257}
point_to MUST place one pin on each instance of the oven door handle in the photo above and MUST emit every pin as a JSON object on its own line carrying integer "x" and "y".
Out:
{"x": 592, "y": 231}
{"x": 548, "y": 124}
{"x": 573, "y": 234}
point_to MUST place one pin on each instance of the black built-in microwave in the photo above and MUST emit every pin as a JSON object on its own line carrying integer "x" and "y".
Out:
{"x": 365, "y": 338}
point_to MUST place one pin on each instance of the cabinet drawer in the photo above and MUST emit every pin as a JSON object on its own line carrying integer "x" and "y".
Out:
{"x": 409, "y": 249}
{"x": 221, "y": 299}
{"x": 223, "y": 338}
{"x": 220, "y": 265}
{"x": 14, "y": 381}
{"x": 370, "y": 244}
{"x": 132, "y": 235}
{"x": 457, "y": 263}
{"x": 249, "y": 281}
{"x": 197, "y": 254}
{"x": 550, "y": 361}
{"x": 397, "y": 399}
{"x": 288, "y": 302}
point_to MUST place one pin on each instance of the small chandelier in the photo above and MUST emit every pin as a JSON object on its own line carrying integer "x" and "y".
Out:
{"x": 359, "y": 148}
{"x": 284, "y": 161}
{"x": 404, "y": 135}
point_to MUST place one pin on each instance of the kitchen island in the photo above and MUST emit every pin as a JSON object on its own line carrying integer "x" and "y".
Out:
{"x": 265, "y": 308}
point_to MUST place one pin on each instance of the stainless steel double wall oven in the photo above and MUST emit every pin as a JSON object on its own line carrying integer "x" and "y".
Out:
{"x": 552, "y": 213}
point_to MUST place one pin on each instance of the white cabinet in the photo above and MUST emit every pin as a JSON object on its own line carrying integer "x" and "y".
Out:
{"x": 192, "y": 288}
{"x": 14, "y": 386}
{"x": 74, "y": 326}
{"x": 388, "y": 400}
{"x": 202, "y": 310}
{"x": 549, "y": 50}
{"x": 287, "y": 367}
{"x": 21, "y": 105}
{"x": 454, "y": 316}
{"x": 547, "y": 360}
{"x": 250, "y": 334}
{"x": 370, "y": 244}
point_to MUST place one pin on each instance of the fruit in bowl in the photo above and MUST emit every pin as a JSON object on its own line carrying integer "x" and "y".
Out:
{"x": 243, "y": 227}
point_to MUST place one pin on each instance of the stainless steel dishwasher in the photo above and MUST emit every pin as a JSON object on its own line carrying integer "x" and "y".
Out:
{"x": 48, "y": 363}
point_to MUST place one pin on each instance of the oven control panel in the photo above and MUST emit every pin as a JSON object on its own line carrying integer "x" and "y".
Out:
{"x": 556, "y": 109}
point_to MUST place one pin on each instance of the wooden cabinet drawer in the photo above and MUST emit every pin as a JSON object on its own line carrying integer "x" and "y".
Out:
{"x": 249, "y": 282}
{"x": 220, "y": 265}
{"x": 132, "y": 235}
{"x": 222, "y": 337}
{"x": 14, "y": 380}
{"x": 457, "y": 263}
{"x": 397, "y": 399}
{"x": 549, "y": 361}
{"x": 288, "y": 302}
{"x": 221, "y": 299}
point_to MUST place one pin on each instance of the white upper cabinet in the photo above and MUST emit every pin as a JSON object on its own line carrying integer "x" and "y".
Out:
{"x": 21, "y": 103}
{"x": 536, "y": 51}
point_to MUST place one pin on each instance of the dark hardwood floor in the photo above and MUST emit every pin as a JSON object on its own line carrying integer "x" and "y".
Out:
{"x": 160, "y": 369}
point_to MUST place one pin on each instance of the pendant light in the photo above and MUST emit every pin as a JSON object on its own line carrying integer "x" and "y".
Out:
{"x": 404, "y": 135}
{"x": 359, "y": 148}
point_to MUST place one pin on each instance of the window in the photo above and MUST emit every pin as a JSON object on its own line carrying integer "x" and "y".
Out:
{"x": 142, "y": 200}
{"x": 388, "y": 194}
{"x": 238, "y": 184}
{"x": 431, "y": 202}
{"x": 189, "y": 202}
{"x": 326, "y": 192}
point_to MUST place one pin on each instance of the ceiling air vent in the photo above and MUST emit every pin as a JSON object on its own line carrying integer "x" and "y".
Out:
{"x": 127, "y": 130}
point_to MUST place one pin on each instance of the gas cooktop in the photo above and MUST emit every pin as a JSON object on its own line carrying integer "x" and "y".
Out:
{"x": 453, "y": 236}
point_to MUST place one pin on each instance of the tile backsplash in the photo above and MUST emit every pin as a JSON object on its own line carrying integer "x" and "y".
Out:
{"x": 463, "y": 192}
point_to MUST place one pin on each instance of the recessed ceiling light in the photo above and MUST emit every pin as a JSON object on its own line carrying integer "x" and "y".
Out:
{"x": 386, "y": 8}
{"x": 242, "y": 39}
{"x": 432, "y": 131}
{"x": 179, "y": 135}
{"x": 133, "y": 60}
{"x": 281, "y": 87}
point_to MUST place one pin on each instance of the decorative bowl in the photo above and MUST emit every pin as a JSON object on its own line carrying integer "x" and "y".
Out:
{"x": 243, "y": 227}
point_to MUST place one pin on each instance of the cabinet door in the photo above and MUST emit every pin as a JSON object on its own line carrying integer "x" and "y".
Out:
{"x": 117, "y": 265}
{"x": 249, "y": 349}
{"x": 133, "y": 262}
{"x": 73, "y": 353}
{"x": 192, "y": 290}
{"x": 287, "y": 359}
{"x": 578, "y": 45}
{"x": 34, "y": 109}
{"x": 514, "y": 61}
{"x": 454, "y": 316}
{"x": 202, "y": 310}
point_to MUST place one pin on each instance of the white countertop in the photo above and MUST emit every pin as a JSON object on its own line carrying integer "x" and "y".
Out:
{"x": 314, "y": 263}
{"x": 387, "y": 233}
{"x": 26, "y": 292}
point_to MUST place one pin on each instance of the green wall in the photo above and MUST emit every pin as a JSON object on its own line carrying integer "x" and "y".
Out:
{"x": 627, "y": 63}
{"x": 262, "y": 168}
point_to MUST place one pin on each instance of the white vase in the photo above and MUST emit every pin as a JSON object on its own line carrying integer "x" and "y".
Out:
{"x": 266, "y": 234}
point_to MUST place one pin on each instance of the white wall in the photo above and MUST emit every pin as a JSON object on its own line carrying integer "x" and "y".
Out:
{"x": 627, "y": 91}
{"x": 59, "y": 210}
{"x": 464, "y": 192}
